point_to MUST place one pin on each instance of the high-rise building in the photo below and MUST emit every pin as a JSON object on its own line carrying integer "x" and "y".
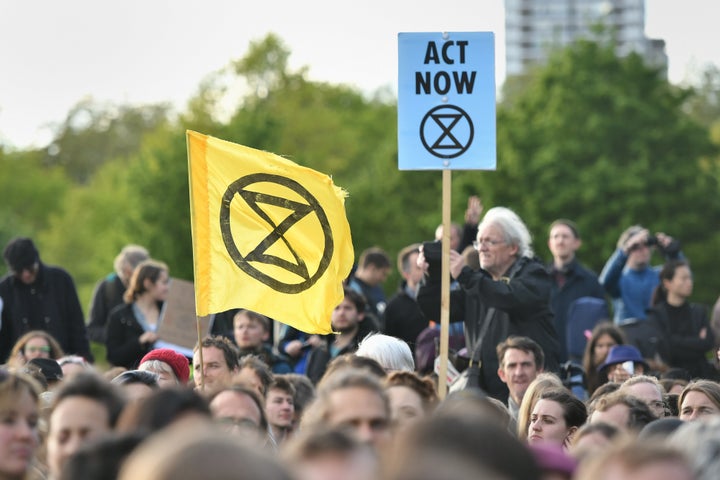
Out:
{"x": 533, "y": 27}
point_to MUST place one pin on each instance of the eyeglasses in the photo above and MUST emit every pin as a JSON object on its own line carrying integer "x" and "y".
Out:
{"x": 37, "y": 349}
{"x": 657, "y": 404}
{"x": 237, "y": 422}
{"x": 486, "y": 241}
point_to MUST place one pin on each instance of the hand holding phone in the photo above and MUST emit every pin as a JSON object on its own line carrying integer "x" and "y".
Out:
{"x": 629, "y": 367}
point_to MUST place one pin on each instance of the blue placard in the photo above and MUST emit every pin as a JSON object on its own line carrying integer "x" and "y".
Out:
{"x": 446, "y": 101}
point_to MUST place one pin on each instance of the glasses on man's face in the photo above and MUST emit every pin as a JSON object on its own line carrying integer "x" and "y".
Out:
{"x": 229, "y": 422}
{"x": 657, "y": 404}
{"x": 487, "y": 242}
{"x": 44, "y": 349}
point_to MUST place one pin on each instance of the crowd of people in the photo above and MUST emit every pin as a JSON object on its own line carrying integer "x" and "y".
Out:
{"x": 562, "y": 374}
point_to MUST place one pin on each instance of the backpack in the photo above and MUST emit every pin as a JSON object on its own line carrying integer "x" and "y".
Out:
{"x": 427, "y": 348}
{"x": 583, "y": 314}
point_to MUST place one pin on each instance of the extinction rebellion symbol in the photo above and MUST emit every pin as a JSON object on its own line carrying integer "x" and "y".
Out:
{"x": 251, "y": 262}
{"x": 446, "y": 131}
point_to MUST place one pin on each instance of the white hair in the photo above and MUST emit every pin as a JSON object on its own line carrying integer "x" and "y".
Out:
{"x": 158, "y": 366}
{"x": 514, "y": 230}
{"x": 390, "y": 352}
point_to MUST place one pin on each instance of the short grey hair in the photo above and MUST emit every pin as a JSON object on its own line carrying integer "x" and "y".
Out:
{"x": 514, "y": 229}
{"x": 638, "y": 379}
{"x": 390, "y": 352}
{"x": 131, "y": 255}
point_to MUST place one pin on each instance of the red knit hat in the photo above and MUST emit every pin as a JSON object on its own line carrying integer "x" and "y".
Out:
{"x": 178, "y": 362}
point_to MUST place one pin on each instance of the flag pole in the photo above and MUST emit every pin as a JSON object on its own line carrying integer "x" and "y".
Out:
{"x": 200, "y": 353}
{"x": 445, "y": 285}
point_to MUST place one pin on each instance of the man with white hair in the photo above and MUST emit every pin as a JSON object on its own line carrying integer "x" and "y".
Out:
{"x": 509, "y": 295}
{"x": 390, "y": 352}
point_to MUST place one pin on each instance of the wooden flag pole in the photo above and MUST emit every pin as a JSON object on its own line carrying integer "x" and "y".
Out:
{"x": 445, "y": 285}
{"x": 200, "y": 354}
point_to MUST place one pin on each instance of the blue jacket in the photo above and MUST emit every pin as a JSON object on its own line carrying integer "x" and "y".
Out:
{"x": 631, "y": 290}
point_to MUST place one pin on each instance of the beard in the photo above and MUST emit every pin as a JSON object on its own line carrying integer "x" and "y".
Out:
{"x": 347, "y": 328}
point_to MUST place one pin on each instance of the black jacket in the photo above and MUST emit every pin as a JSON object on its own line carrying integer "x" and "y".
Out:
{"x": 50, "y": 303}
{"x": 320, "y": 357}
{"x": 579, "y": 282}
{"x": 403, "y": 318}
{"x": 108, "y": 294}
{"x": 522, "y": 307}
{"x": 123, "y": 338}
{"x": 680, "y": 345}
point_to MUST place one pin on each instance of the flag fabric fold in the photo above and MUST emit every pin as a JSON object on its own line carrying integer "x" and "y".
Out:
{"x": 268, "y": 235}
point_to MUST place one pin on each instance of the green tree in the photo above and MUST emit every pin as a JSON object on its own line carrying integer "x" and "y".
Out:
{"x": 704, "y": 106}
{"x": 91, "y": 227}
{"x": 160, "y": 200}
{"x": 605, "y": 141}
{"x": 31, "y": 192}
{"x": 337, "y": 130}
{"x": 333, "y": 129}
{"x": 94, "y": 133}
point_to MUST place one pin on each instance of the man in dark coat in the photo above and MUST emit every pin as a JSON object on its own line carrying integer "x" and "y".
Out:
{"x": 509, "y": 295}
{"x": 349, "y": 320}
{"x": 402, "y": 316}
{"x": 570, "y": 280}
{"x": 39, "y": 297}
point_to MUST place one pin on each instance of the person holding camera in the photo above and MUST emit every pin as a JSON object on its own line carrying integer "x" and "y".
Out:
{"x": 509, "y": 295}
{"x": 629, "y": 278}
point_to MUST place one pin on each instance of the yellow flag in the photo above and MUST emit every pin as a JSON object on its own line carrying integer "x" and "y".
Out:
{"x": 268, "y": 235}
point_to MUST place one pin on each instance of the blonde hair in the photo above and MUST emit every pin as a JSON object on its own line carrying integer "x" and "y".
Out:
{"x": 18, "y": 349}
{"x": 542, "y": 382}
{"x": 13, "y": 383}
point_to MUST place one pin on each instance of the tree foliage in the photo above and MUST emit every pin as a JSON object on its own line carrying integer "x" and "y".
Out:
{"x": 95, "y": 133}
{"x": 31, "y": 193}
{"x": 704, "y": 106}
{"x": 604, "y": 141}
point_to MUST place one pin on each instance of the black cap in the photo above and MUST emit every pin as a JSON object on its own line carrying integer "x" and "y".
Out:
{"x": 50, "y": 368}
{"x": 20, "y": 253}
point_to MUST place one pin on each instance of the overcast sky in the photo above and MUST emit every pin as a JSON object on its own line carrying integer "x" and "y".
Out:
{"x": 54, "y": 53}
